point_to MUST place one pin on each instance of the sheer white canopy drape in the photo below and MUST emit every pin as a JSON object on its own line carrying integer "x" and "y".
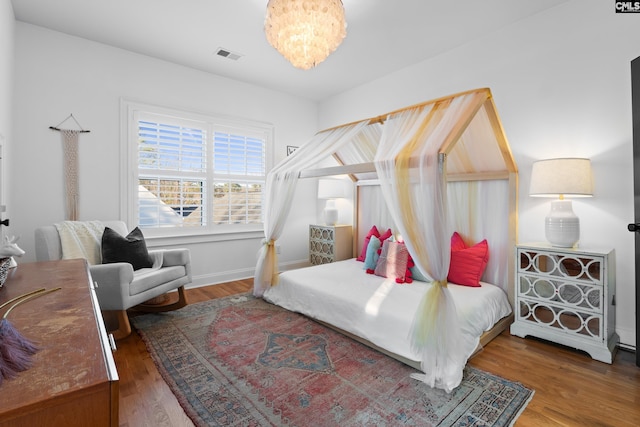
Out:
{"x": 281, "y": 186}
{"x": 411, "y": 170}
{"x": 479, "y": 210}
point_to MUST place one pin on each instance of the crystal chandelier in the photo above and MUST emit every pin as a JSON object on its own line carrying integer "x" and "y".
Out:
{"x": 305, "y": 32}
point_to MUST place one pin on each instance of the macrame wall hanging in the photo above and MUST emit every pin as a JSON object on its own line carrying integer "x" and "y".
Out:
{"x": 70, "y": 151}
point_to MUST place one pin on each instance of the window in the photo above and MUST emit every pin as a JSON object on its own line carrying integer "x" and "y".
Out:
{"x": 197, "y": 172}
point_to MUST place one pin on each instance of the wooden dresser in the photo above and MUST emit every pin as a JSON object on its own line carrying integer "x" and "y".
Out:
{"x": 73, "y": 380}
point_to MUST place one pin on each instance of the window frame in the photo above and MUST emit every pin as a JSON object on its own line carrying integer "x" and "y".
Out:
{"x": 130, "y": 110}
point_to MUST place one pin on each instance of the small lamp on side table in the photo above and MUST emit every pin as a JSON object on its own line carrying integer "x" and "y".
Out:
{"x": 569, "y": 177}
{"x": 330, "y": 189}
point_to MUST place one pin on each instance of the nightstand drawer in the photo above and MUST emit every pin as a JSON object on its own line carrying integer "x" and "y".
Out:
{"x": 579, "y": 323}
{"x": 563, "y": 293}
{"x": 577, "y": 267}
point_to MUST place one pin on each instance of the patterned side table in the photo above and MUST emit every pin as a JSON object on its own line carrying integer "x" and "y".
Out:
{"x": 567, "y": 296}
{"x": 329, "y": 243}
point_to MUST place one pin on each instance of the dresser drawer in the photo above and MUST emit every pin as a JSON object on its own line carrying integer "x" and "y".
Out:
{"x": 575, "y": 267}
{"x": 581, "y": 324}
{"x": 569, "y": 294}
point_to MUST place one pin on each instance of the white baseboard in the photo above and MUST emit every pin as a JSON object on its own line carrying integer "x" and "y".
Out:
{"x": 627, "y": 338}
{"x": 231, "y": 275}
{"x": 627, "y": 347}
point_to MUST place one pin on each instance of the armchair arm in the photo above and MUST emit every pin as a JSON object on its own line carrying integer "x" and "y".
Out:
{"x": 173, "y": 257}
{"x": 113, "y": 281}
{"x": 176, "y": 257}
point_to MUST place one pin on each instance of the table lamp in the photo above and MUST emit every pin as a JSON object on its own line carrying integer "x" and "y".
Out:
{"x": 560, "y": 178}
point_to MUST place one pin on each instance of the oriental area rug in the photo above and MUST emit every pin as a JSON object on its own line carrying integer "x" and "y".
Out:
{"x": 240, "y": 361}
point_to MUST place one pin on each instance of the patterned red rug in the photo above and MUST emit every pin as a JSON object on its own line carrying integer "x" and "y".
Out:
{"x": 239, "y": 361}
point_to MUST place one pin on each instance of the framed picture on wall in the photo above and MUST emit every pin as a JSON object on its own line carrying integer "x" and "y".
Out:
{"x": 291, "y": 149}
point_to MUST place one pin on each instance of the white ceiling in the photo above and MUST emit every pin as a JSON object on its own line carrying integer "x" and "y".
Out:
{"x": 382, "y": 35}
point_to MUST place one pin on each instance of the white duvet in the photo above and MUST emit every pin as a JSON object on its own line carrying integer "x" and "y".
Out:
{"x": 378, "y": 309}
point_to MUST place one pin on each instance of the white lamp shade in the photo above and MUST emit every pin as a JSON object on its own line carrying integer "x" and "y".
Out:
{"x": 330, "y": 188}
{"x": 561, "y": 177}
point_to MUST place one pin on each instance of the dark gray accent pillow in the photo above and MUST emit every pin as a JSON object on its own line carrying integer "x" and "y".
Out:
{"x": 131, "y": 249}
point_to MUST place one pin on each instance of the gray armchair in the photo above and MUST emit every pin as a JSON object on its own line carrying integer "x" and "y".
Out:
{"x": 119, "y": 287}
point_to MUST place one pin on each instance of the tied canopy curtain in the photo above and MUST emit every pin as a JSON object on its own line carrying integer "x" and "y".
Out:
{"x": 412, "y": 176}
{"x": 281, "y": 185}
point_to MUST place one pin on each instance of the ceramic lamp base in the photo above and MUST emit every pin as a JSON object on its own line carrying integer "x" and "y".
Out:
{"x": 562, "y": 226}
{"x": 330, "y": 213}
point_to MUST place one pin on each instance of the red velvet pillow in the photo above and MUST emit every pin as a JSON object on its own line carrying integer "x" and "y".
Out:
{"x": 373, "y": 232}
{"x": 467, "y": 263}
{"x": 457, "y": 243}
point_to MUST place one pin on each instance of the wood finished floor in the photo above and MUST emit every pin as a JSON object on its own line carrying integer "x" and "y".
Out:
{"x": 571, "y": 389}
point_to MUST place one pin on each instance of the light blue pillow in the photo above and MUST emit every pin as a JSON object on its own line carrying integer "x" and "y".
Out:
{"x": 371, "y": 259}
{"x": 416, "y": 275}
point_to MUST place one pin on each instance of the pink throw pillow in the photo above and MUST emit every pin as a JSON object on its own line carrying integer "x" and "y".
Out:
{"x": 467, "y": 263}
{"x": 393, "y": 261}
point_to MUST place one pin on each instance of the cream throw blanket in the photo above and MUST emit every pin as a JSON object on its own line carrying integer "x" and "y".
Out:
{"x": 81, "y": 239}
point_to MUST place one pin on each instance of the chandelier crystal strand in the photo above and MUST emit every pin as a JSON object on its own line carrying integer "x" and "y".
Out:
{"x": 305, "y": 32}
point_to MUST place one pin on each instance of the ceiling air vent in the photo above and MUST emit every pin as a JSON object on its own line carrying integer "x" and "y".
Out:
{"x": 225, "y": 53}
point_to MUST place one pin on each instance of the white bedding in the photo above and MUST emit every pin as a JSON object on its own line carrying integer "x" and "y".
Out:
{"x": 378, "y": 309}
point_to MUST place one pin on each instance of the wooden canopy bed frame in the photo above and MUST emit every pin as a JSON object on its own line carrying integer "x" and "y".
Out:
{"x": 475, "y": 160}
{"x": 485, "y": 339}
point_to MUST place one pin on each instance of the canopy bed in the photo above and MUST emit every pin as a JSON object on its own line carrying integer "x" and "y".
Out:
{"x": 428, "y": 173}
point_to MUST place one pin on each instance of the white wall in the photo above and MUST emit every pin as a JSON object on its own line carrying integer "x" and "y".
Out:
{"x": 6, "y": 95}
{"x": 561, "y": 82}
{"x": 560, "y": 79}
{"x": 56, "y": 74}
